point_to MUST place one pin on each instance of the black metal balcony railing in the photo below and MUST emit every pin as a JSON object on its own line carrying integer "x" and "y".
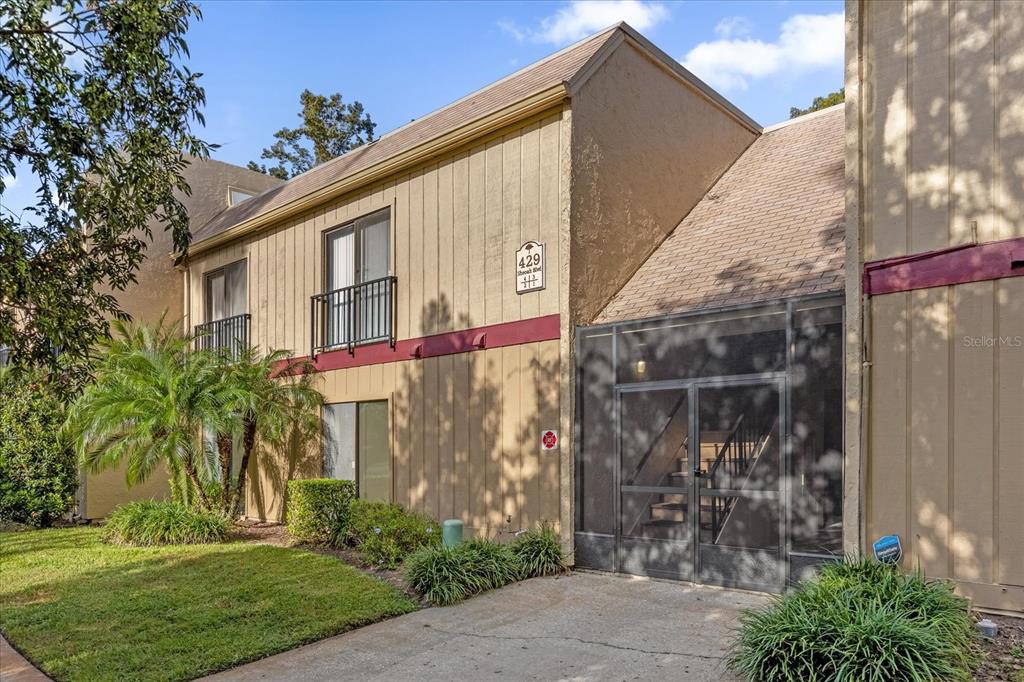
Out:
{"x": 229, "y": 335}
{"x": 353, "y": 315}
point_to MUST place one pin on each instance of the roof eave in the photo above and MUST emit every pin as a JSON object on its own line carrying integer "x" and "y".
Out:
{"x": 525, "y": 108}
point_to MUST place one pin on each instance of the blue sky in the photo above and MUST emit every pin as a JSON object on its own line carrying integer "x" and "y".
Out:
{"x": 405, "y": 59}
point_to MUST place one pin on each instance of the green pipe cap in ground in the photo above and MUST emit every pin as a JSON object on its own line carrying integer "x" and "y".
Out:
{"x": 451, "y": 532}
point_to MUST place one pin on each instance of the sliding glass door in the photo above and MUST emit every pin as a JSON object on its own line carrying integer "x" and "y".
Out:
{"x": 357, "y": 446}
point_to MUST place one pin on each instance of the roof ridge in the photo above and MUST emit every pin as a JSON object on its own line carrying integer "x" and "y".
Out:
{"x": 488, "y": 86}
{"x": 803, "y": 118}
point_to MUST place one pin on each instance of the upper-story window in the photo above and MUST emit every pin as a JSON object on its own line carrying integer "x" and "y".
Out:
{"x": 359, "y": 251}
{"x": 225, "y": 299}
{"x": 237, "y": 196}
{"x": 357, "y": 304}
{"x": 226, "y": 293}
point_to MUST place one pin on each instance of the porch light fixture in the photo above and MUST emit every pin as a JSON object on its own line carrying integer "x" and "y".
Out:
{"x": 641, "y": 368}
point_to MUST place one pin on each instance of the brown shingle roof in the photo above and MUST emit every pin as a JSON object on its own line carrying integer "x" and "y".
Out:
{"x": 770, "y": 228}
{"x": 547, "y": 73}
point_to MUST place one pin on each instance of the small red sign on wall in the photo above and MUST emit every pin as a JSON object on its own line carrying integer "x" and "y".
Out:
{"x": 549, "y": 440}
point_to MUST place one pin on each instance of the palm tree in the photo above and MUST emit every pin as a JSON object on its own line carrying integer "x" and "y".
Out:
{"x": 272, "y": 405}
{"x": 148, "y": 403}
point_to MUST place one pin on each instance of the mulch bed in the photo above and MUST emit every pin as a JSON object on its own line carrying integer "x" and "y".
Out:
{"x": 1002, "y": 657}
{"x": 277, "y": 534}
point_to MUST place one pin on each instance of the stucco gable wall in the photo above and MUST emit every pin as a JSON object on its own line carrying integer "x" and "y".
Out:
{"x": 645, "y": 148}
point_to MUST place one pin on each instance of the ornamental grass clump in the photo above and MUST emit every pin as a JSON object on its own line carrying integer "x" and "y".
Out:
{"x": 146, "y": 523}
{"x": 539, "y": 552}
{"x": 441, "y": 574}
{"x": 859, "y": 620}
{"x": 490, "y": 564}
{"x": 445, "y": 575}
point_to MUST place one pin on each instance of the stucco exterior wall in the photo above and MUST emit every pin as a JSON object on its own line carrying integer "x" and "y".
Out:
{"x": 456, "y": 224}
{"x": 465, "y": 437}
{"x": 935, "y": 376}
{"x": 646, "y": 147}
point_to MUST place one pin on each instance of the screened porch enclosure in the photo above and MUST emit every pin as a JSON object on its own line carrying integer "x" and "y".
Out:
{"x": 710, "y": 445}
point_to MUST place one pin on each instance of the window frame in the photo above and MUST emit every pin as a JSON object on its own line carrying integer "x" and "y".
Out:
{"x": 356, "y": 439}
{"x": 209, "y": 274}
{"x": 251, "y": 193}
{"x": 354, "y": 225}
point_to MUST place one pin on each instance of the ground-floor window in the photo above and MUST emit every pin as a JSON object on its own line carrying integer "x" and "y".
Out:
{"x": 710, "y": 445}
{"x": 356, "y": 446}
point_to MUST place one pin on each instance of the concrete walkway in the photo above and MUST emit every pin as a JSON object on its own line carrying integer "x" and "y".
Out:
{"x": 14, "y": 667}
{"x": 584, "y": 626}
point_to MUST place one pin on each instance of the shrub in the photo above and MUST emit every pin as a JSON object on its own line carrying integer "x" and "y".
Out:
{"x": 859, "y": 620}
{"x": 38, "y": 468}
{"x": 539, "y": 552}
{"x": 319, "y": 510}
{"x": 386, "y": 533}
{"x": 445, "y": 575}
{"x": 147, "y": 523}
{"x": 490, "y": 564}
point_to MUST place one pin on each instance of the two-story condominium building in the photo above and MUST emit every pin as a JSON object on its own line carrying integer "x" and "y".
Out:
{"x": 435, "y": 276}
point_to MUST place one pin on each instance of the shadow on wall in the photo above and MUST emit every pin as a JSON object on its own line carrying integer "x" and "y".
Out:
{"x": 943, "y": 138}
{"x": 467, "y": 432}
{"x": 268, "y": 480}
{"x": 935, "y": 165}
{"x": 942, "y": 472}
{"x": 466, "y": 436}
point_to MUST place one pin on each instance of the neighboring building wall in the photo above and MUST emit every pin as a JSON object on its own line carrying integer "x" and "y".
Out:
{"x": 938, "y": 140}
{"x": 456, "y": 224}
{"x": 465, "y": 434}
{"x": 646, "y": 147}
{"x": 105, "y": 490}
{"x": 160, "y": 288}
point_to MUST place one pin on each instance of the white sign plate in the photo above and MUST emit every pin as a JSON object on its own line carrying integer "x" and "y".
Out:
{"x": 549, "y": 439}
{"x": 530, "y": 267}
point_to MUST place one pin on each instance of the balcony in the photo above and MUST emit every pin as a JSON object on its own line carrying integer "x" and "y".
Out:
{"x": 351, "y": 316}
{"x": 229, "y": 335}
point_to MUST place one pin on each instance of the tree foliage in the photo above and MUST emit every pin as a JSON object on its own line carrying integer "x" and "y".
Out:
{"x": 330, "y": 127}
{"x": 153, "y": 400}
{"x": 819, "y": 103}
{"x": 96, "y": 109}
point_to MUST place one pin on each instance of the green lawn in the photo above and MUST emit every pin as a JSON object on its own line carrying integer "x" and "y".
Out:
{"x": 83, "y": 610}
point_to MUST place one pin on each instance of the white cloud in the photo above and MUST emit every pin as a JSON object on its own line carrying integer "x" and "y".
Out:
{"x": 734, "y": 27}
{"x": 9, "y": 181}
{"x": 580, "y": 18}
{"x": 806, "y": 42}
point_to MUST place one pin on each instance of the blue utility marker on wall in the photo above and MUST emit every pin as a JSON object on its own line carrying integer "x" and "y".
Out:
{"x": 888, "y": 549}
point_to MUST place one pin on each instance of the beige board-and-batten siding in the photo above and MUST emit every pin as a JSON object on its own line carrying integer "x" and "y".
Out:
{"x": 943, "y": 124}
{"x": 936, "y": 138}
{"x": 455, "y": 224}
{"x": 465, "y": 436}
{"x": 946, "y": 435}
